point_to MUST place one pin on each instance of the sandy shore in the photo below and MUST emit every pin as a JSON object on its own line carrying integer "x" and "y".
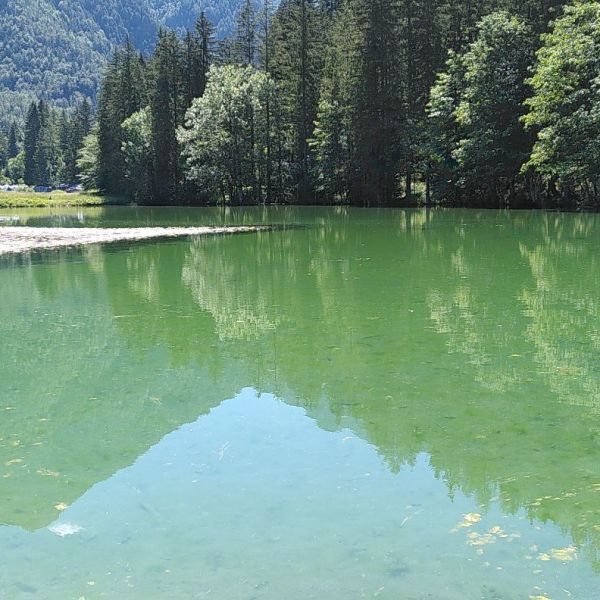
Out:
{"x": 25, "y": 239}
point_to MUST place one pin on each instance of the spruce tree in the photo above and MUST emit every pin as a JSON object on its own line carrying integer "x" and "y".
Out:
{"x": 3, "y": 153}
{"x": 124, "y": 91}
{"x": 13, "y": 141}
{"x": 245, "y": 37}
{"x": 30, "y": 142}
{"x": 167, "y": 106}
{"x": 381, "y": 105}
{"x": 198, "y": 55}
{"x": 205, "y": 33}
{"x": 296, "y": 60}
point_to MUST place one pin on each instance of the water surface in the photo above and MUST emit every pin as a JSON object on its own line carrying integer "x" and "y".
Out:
{"x": 392, "y": 404}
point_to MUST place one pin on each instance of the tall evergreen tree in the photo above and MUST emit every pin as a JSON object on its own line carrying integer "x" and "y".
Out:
{"x": 3, "y": 153}
{"x": 13, "y": 141}
{"x": 264, "y": 34}
{"x": 296, "y": 60}
{"x": 245, "y": 36}
{"x": 124, "y": 91}
{"x": 47, "y": 157}
{"x": 73, "y": 130}
{"x": 381, "y": 105}
{"x": 167, "y": 106}
{"x": 32, "y": 133}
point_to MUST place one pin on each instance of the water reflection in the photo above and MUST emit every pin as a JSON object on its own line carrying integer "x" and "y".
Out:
{"x": 469, "y": 336}
{"x": 254, "y": 499}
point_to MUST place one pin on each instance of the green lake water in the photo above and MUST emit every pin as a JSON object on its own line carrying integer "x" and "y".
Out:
{"x": 363, "y": 404}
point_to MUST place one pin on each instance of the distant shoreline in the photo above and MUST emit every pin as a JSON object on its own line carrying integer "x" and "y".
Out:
{"x": 55, "y": 199}
{"x": 58, "y": 199}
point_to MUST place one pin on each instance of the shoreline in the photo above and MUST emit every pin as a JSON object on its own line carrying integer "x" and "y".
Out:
{"x": 17, "y": 240}
{"x": 56, "y": 199}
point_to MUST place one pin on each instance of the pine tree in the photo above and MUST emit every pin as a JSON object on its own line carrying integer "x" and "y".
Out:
{"x": 167, "y": 105}
{"x": 381, "y": 106}
{"x": 48, "y": 160}
{"x": 73, "y": 130}
{"x": 13, "y": 141}
{"x": 296, "y": 59}
{"x": 3, "y": 153}
{"x": 264, "y": 35}
{"x": 30, "y": 142}
{"x": 198, "y": 55}
{"x": 245, "y": 38}
{"x": 124, "y": 91}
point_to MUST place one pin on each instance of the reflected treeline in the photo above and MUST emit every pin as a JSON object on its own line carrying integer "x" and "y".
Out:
{"x": 472, "y": 336}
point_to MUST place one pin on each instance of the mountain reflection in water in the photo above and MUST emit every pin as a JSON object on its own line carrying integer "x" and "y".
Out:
{"x": 458, "y": 346}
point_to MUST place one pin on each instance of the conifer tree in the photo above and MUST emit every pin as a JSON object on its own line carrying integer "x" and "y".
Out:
{"x": 167, "y": 106}
{"x": 124, "y": 91}
{"x": 381, "y": 108}
{"x": 3, "y": 153}
{"x": 245, "y": 36}
{"x": 13, "y": 141}
{"x": 30, "y": 142}
{"x": 198, "y": 55}
{"x": 295, "y": 65}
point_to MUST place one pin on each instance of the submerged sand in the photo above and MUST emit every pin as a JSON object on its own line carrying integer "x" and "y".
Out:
{"x": 25, "y": 239}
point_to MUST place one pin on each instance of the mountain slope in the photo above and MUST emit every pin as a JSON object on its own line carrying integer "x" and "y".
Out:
{"x": 56, "y": 49}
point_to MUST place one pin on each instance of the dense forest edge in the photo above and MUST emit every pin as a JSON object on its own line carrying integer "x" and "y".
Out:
{"x": 361, "y": 102}
{"x": 58, "y": 50}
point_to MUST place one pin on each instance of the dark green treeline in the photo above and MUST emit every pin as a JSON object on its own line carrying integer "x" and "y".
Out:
{"x": 45, "y": 150}
{"x": 364, "y": 102}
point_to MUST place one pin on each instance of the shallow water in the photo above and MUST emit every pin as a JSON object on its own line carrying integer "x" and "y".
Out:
{"x": 391, "y": 404}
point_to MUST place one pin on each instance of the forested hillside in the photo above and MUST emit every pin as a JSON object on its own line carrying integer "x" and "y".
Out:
{"x": 365, "y": 102}
{"x": 58, "y": 50}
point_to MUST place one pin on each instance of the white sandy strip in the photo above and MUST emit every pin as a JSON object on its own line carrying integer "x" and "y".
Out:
{"x": 24, "y": 239}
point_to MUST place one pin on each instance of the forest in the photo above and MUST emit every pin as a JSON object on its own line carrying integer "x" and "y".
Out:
{"x": 362, "y": 102}
{"x": 57, "y": 51}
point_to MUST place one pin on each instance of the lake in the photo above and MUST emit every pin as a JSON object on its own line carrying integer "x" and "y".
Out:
{"x": 363, "y": 404}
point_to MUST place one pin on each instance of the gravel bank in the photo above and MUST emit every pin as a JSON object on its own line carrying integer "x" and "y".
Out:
{"x": 25, "y": 239}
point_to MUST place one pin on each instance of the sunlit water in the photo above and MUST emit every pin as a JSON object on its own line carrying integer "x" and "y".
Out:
{"x": 391, "y": 404}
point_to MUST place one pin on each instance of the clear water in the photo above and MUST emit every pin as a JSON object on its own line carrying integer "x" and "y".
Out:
{"x": 391, "y": 404}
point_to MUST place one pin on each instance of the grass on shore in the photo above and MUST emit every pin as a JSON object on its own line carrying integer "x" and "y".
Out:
{"x": 54, "y": 199}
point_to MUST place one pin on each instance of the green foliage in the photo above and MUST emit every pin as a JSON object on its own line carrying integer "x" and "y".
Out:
{"x": 12, "y": 141}
{"x": 124, "y": 92}
{"x": 73, "y": 130}
{"x": 3, "y": 151}
{"x": 369, "y": 102}
{"x": 224, "y": 140}
{"x": 58, "y": 50}
{"x": 296, "y": 46}
{"x": 51, "y": 142}
{"x": 245, "y": 39}
{"x": 32, "y": 134}
{"x": 493, "y": 143}
{"x": 141, "y": 104}
{"x": 137, "y": 152}
{"x": 53, "y": 199}
{"x": 476, "y": 109}
{"x": 167, "y": 109}
{"x": 88, "y": 162}
{"x": 443, "y": 133}
{"x": 15, "y": 168}
{"x": 565, "y": 106}
{"x": 329, "y": 146}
